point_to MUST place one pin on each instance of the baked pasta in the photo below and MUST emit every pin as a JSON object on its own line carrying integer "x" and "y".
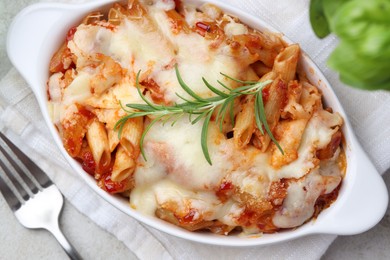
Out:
{"x": 259, "y": 181}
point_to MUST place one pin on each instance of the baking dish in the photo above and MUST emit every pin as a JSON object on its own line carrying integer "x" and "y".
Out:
{"x": 43, "y": 27}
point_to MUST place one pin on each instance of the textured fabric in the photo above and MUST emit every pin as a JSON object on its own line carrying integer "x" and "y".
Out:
{"x": 368, "y": 112}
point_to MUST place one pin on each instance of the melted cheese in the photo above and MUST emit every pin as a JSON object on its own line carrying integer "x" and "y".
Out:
{"x": 317, "y": 134}
{"x": 176, "y": 150}
{"x": 175, "y": 153}
{"x": 298, "y": 206}
{"x": 165, "y": 5}
{"x": 147, "y": 198}
{"x": 87, "y": 41}
{"x": 78, "y": 90}
{"x": 233, "y": 28}
{"x": 175, "y": 171}
{"x": 196, "y": 59}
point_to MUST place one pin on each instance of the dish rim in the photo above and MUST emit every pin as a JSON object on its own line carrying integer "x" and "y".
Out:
{"x": 357, "y": 160}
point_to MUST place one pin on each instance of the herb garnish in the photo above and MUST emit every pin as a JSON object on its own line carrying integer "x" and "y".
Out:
{"x": 362, "y": 54}
{"x": 199, "y": 108}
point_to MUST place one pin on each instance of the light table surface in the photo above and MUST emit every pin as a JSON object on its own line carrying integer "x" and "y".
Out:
{"x": 16, "y": 242}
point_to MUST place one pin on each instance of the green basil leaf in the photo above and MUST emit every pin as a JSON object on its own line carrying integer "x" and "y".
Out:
{"x": 366, "y": 26}
{"x": 358, "y": 70}
{"x": 318, "y": 20}
{"x": 330, "y": 9}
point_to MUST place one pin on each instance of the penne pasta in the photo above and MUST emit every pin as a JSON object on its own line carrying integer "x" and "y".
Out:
{"x": 108, "y": 73}
{"x": 289, "y": 135}
{"x": 98, "y": 142}
{"x": 131, "y": 135}
{"x": 124, "y": 165}
{"x": 113, "y": 139}
{"x": 265, "y": 46}
{"x": 182, "y": 83}
{"x": 310, "y": 98}
{"x": 73, "y": 129}
{"x": 260, "y": 68}
{"x": 293, "y": 109}
{"x": 274, "y": 103}
{"x": 245, "y": 123}
{"x": 286, "y": 61}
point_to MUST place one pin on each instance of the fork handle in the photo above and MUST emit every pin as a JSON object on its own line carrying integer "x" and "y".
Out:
{"x": 69, "y": 249}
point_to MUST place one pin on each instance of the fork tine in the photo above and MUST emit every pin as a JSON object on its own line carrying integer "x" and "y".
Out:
{"x": 6, "y": 170}
{"x": 35, "y": 171}
{"x": 33, "y": 188}
{"x": 17, "y": 168}
{"x": 9, "y": 195}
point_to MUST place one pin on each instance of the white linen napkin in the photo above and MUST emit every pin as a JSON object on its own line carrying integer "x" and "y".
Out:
{"x": 368, "y": 112}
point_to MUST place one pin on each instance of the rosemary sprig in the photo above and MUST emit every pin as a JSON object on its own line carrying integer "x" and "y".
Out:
{"x": 199, "y": 108}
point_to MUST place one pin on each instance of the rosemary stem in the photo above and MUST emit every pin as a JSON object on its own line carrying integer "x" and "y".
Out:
{"x": 202, "y": 108}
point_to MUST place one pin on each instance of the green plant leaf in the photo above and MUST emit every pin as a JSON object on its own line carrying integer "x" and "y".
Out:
{"x": 318, "y": 21}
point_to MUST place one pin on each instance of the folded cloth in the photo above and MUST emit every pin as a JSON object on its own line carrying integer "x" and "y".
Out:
{"x": 368, "y": 112}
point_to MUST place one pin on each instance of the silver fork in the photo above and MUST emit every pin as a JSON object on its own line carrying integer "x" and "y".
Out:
{"x": 35, "y": 200}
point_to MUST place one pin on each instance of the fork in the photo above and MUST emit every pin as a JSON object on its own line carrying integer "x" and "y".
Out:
{"x": 35, "y": 200}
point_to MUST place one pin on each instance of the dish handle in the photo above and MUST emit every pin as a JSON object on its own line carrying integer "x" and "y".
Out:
{"x": 25, "y": 41}
{"x": 365, "y": 204}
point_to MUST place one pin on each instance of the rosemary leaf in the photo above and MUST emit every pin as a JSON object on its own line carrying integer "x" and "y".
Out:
{"x": 259, "y": 123}
{"x": 264, "y": 121}
{"x": 142, "y": 95}
{"x": 185, "y": 99}
{"x": 239, "y": 81}
{"x": 124, "y": 107}
{"x": 242, "y": 89}
{"x": 198, "y": 118}
{"x": 165, "y": 120}
{"x": 141, "y": 142}
{"x": 204, "y": 134}
{"x": 178, "y": 116}
{"x": 215, "y": 90}
{"x": 232, "y": 112}
{"x": 221, "y": 115}
{"x": 119, "y": 125}
{"x": 224, "y": 86}
{"x": 186, "y": 88}
{"x": 141, "y": 107}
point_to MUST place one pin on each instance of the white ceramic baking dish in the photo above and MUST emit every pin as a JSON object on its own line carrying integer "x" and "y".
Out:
{"x": 37, "y": 32}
